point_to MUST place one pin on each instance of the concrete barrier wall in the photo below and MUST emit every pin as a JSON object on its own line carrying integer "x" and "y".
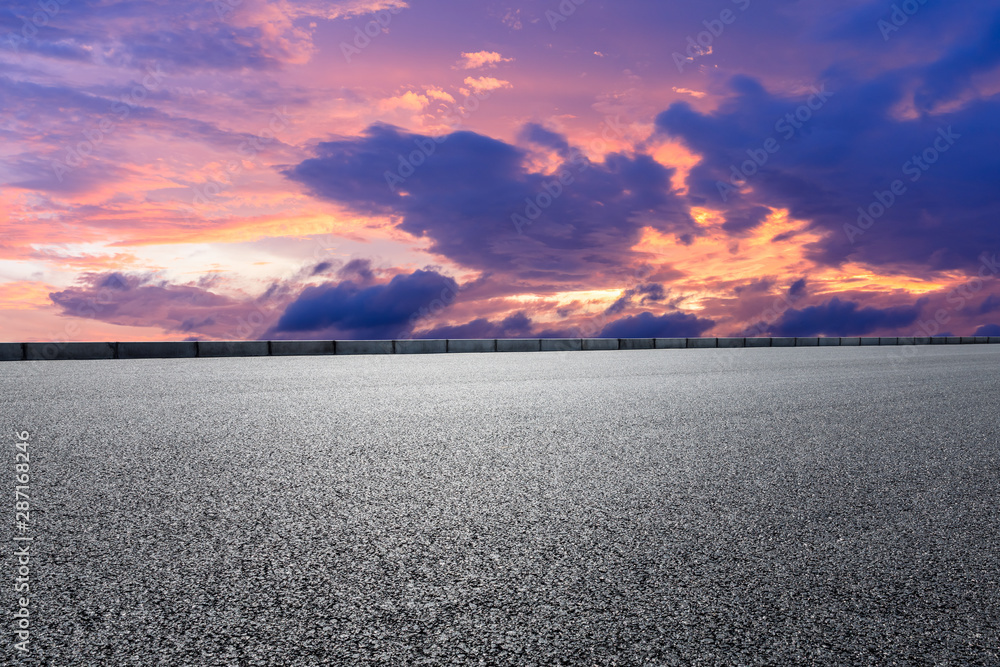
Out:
{"x": 427, "y": 346}
{"x": 233, "y": 348}
{"x": 190, "y": 349}
{"x": 472, "y": 345}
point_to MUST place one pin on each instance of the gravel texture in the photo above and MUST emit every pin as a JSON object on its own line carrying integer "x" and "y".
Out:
{"x": 824, "y": 506}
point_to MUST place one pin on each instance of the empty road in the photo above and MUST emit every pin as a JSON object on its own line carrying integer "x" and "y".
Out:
{"x": 822, "y": 506}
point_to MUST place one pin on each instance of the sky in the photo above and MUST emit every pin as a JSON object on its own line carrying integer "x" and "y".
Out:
{"x": 281, "y": 169}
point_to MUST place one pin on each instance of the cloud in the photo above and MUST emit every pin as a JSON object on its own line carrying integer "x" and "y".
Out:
{"x": 798, "y": 288}
{"x": 467, "y": 190}
{"x": 687, "y": 91}
{"x": 951, "y": 75}
{"x": 844, "y": 318}
{"x": 409, "y": 101}
{"x": 347, "y": 309}
{"x": 516, "y": 325}
{"x": 438, "y": 94}
{"x": 988, "y": 330}
{"x": 647, "y": 325}
{"x": 843, "y": 157}
{"x": 482, "y": 59}
{"x": 191, "y": 309}
{"x": 652, "y": 292}
{"x": 988, "y": 305}
{"x": 537, "y": 134}
{"x": 342, "y": 9}
{"x": 485, "y": 84}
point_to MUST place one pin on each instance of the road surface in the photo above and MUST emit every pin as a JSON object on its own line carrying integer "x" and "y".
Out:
{"x": 820, "y": 506}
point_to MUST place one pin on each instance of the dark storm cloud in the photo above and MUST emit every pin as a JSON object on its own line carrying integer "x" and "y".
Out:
{"x": 846, "y": 156}
{"x": 647, "y": 325}
{"x": 844, "y": 318}
{"x": 350, "y": 310}
{"x": 464, "y": 190}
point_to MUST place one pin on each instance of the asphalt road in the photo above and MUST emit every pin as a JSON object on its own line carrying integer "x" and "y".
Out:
{"x": 709, "y": 507}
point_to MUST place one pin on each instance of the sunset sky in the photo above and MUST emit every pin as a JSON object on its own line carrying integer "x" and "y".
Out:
{"x": 248, "y": 169}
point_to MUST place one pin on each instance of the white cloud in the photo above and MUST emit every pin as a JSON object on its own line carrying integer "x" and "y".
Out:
{"x": 482, "y": 59}
{"x": 485, "y": 84}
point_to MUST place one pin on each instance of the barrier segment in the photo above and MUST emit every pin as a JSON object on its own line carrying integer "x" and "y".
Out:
{"x": 472, "y": 345}
{"x": 68, "y": 351}
{"x": 600, "y": 343}
{"x": 519, "y": 344}
{"x": 422, "y": 346}
{"x": 636, "y": 343}
{"x": 562, "y": 345}
{"x": 283, "y": 348}
{"x": 11, "y": 351}
{"x": 364, "y": 347}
